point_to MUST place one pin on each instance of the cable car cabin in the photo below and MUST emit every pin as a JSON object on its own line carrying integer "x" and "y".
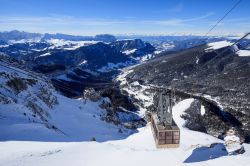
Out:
{"x": 165, "y": 136}
{"x": 165, "y": 130}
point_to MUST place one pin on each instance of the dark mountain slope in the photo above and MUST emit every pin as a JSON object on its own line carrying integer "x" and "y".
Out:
{"x": 218, "y": 75}
{"x": 96, "y": 55}
{"x": 139, "y": 47}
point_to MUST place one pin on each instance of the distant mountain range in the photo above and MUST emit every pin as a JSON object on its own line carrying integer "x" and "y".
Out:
{"x": 20, "y": 35}
{"x": 71, "y": 60}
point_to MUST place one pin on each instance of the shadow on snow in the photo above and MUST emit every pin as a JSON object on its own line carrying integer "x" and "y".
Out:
{"x": 207, "y": 153}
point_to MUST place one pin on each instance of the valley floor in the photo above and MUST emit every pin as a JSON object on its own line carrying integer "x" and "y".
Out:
{"x": 137, "y": 149}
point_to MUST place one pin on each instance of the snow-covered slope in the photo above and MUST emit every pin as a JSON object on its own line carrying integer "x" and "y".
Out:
{"x": 243, "y": 52}
{"x": 218, "y": 45}
{"x": 68, "y": 44}
{"x": 137, "y": 149}
{"x": 221, "y": 44}
{"x": 31, "y": 110}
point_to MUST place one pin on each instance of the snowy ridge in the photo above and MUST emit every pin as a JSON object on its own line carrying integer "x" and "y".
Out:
{"x": 128, "y": 52}
{"x": 45, "y": 54}
{"x": 67, "y": 44}
{"x": 218, "y": 45}
{"x": 243, "y": 52}
{"x": 82, "y": 63}
{"x": 222, "y": 44}
{"x": 33, "y": 40}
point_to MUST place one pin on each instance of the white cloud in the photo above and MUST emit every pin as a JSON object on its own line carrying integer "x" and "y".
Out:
{"x": 69, "y": 20}
{"x": 55, "y": 20}
{"x": 177, "y": 21}
{"x": 83, "y": 26}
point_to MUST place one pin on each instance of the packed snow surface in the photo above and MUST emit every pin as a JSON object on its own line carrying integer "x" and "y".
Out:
{"x": 137, "y": 149}
{"x": 243, "y": 52}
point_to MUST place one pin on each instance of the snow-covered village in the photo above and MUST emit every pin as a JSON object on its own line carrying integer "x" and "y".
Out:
{"x": 118, "y": 83}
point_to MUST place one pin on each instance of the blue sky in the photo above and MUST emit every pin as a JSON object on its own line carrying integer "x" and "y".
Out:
{"x": 151, "y": 17}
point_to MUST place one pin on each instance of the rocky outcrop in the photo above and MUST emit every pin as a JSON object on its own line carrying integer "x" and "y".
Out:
{"x": 233, "y": 143}
{"x": 118, "y": 99}
{"x": 135, "y": 47}
{"x": 193, "y": 117}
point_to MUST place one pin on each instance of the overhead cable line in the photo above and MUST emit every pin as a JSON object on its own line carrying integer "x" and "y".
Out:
{"x": 224, "y": 16}
{"x": 209, "y": 61}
